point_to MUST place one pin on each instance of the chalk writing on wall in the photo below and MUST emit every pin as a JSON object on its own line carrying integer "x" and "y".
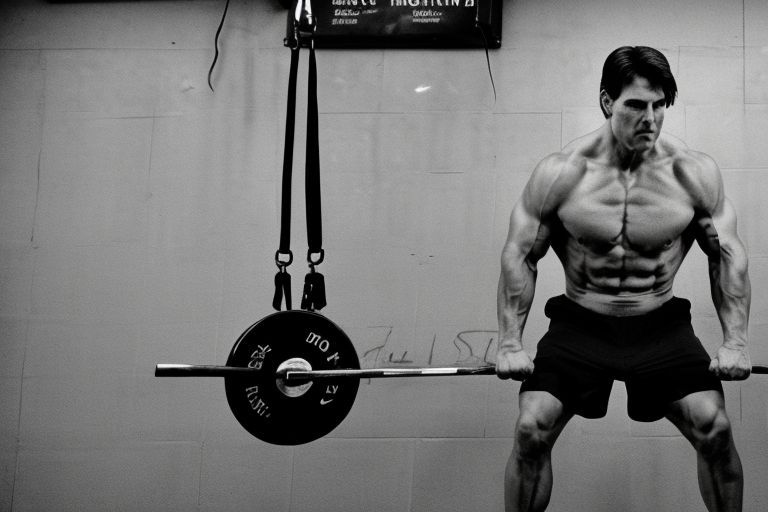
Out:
{"x": 466, "y": 348}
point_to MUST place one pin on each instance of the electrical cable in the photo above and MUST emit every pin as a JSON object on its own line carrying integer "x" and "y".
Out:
{"x": 216, "y": 45}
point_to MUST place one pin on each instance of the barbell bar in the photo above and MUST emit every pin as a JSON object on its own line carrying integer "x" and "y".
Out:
{"x": 189, "y": 370}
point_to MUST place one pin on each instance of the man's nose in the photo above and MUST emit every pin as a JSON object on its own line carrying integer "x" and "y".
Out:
{"x": 648, "y": 115}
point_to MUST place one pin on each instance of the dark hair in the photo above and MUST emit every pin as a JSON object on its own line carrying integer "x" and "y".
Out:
{"x": 624, "y": 64}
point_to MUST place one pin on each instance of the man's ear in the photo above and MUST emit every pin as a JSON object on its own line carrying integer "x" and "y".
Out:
{"x": 606, "y": 103}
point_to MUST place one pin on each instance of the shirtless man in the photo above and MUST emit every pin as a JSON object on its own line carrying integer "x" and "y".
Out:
{"x": 621, "y": 207}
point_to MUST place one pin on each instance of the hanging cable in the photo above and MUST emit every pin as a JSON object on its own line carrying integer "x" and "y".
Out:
{"x": 216, "y": 45}
{"x": 485, "y": 45}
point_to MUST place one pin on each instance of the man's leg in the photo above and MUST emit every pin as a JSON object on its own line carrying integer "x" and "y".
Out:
{"x": 528, "y": 479}
{"x": 702, "y": 420}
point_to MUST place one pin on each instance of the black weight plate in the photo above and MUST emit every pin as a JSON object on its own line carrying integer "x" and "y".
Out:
{"x": 258, "y": 403}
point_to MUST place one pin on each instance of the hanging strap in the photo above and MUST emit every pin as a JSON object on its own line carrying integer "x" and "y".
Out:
{"x": 290, "y": 124}
{"x": 313, "y": 296}
{"x": 312, "y": 174}
{"x": 284, "y": 256}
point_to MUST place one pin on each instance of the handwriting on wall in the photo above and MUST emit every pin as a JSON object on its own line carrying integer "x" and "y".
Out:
{"x": 469, "y": 347}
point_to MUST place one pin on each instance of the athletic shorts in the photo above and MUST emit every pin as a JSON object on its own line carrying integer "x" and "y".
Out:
{"x": 657, "y": 355}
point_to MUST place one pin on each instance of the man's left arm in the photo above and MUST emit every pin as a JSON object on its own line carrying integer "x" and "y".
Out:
{"x": 729, "y": 278}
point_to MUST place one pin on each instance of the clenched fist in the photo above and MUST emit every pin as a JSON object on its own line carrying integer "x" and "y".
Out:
{"x": 731, "y": 363}
{"x": 513, "y": 364}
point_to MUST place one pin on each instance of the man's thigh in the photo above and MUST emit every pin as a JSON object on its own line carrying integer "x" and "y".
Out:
{"x": 669, "y": 372}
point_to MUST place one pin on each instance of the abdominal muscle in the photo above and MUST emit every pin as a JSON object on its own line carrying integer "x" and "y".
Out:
{"x": 620, "y": 281}
{"x": 620, "y": 304}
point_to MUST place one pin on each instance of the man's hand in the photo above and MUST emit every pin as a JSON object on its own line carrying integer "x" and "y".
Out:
{"x": 513, "y": 364}
{"x": 731, "y": 363}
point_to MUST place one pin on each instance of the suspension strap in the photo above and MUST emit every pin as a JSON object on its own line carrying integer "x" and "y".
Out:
{"x": 284, "y": 256}
{"x": 314, "y": 283}
{"x": 313, "y": 296}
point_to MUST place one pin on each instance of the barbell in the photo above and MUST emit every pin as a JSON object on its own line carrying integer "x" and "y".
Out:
{"x": 301, "y": 371}
{"x": 292, "y": 377}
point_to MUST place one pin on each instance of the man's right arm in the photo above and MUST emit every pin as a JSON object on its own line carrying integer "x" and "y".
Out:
{"x": 527, "y": 242}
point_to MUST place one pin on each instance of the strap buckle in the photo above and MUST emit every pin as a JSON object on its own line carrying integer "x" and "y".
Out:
{"x": 281, "y": 264}
{"x": 315, "y": 261}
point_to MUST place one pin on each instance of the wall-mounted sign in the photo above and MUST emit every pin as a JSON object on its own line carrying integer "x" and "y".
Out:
{"x": 405, "y": 23}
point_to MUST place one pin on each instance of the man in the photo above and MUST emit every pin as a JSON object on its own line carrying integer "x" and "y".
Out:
{"x": 621, "y": 207}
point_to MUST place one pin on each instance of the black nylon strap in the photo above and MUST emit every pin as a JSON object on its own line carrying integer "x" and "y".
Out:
{"x": 313, "y": 296}
{"x": 284, "y": 256}
{"x": 314, "y": 285}
{"x": 290, "y": 123}
{"x": 312, "y": 174}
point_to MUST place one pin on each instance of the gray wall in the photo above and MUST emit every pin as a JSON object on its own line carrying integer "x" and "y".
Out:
{"x": 139, "y": 220}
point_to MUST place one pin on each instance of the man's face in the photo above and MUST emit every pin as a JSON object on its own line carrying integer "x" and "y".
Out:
{"x": 637, "y": 114}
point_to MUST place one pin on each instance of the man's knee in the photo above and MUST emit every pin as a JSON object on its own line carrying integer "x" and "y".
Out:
{"x": 537, "y": 428}
{"x": 711, "y": 431}
{"x": 531, "y": 437}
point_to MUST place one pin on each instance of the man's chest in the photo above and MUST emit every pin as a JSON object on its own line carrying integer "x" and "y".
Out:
{"x": 645, "y": 211}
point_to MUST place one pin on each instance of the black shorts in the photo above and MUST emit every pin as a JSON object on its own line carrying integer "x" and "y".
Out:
{"x": 657, "y": 355}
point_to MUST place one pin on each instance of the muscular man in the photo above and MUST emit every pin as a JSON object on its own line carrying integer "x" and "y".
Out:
{"x": 621, "y": 207}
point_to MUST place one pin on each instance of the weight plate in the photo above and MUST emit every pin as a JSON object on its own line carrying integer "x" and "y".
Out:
{"x": 258, "y": 402}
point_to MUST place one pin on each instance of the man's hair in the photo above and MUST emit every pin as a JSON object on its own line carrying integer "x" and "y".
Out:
{"x": 626, "y": 63}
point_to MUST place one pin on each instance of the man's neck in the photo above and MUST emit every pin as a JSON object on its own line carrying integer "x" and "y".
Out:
{"x": 622, "y": 157}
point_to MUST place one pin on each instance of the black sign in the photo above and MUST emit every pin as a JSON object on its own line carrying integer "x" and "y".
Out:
{"x": 404, "y": 23}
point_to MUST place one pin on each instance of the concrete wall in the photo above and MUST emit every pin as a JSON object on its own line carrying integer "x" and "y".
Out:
{"x": 139, "y": 220}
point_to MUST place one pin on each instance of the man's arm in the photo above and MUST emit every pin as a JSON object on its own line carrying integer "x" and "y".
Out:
{"x": 527, "y": 242}
{"x": 729, "y": 279}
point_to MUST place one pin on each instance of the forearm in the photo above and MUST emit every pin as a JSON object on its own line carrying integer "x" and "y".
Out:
{"x": 731, "y": 294}
{"x": 515, "y": 296}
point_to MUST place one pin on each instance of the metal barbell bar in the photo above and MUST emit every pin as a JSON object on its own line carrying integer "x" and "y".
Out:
{"x": 188, "y": 370}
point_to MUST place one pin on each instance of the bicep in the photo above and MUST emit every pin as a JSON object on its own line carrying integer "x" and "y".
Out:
{"x": 529, "y": 233}
{"x": 528, "y": 236}
{"x": 723, "y": 224}
{"x": 728, "y": 263}
{"x": 719, "y": 237}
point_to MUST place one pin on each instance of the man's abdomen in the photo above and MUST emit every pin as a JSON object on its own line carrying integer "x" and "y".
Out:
{"x": 621, "y": 281}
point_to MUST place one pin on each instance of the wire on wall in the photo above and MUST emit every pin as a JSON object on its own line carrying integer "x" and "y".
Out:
{"x": 216, "y": 45}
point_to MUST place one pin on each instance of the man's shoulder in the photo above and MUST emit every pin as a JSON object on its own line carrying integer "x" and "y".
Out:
{"x": 696, "y": 171}
{"x": 684, "y": 158}
{"x": 566, "y": 164}
{"x": 556, "y": 164}
{"x": 554, "y": 178}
